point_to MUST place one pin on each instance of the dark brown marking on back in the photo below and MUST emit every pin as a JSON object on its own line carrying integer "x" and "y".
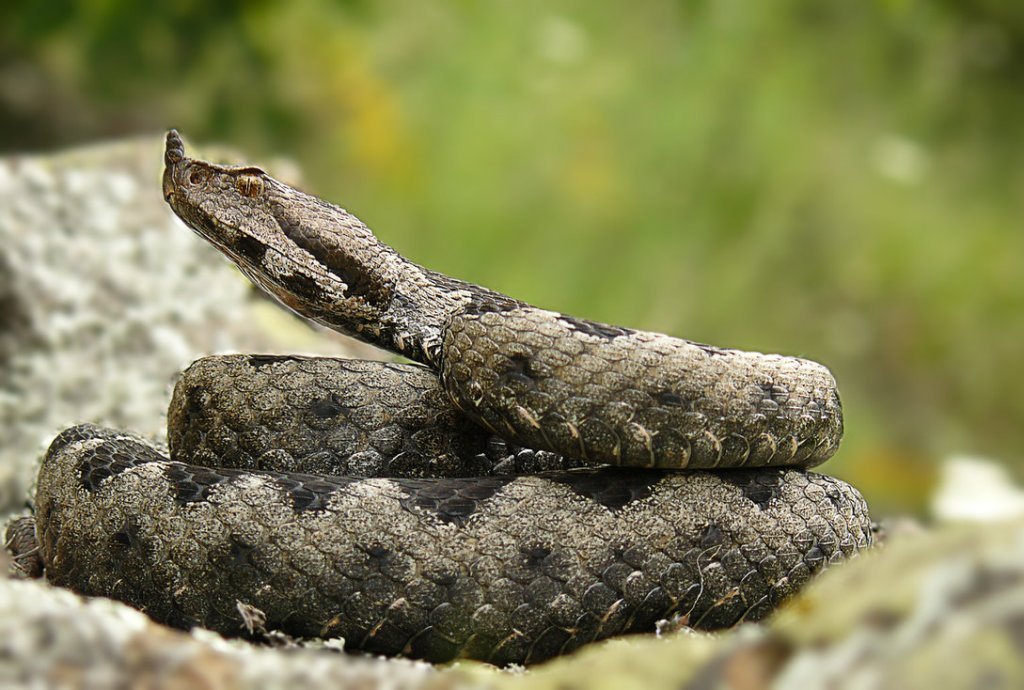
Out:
{"x": 519, "y": 372}
{"x": 309, "y": 492}
{"x": 193, "y": 483}
{"x": 612, "y": 487}
{"x": 487, "y": 302}
{"x": 758, "y": 486}
{"x": 327, "y": 407}
{"x": 594, "y": 328}
{"x": 713, "y": 536}
{"x": 452, "y": 501}
{"x": 670, "y": 399}
{"x": 258, "y": 361}
{"x": 111, "y": 459}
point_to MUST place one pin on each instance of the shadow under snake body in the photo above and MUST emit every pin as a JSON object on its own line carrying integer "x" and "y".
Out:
{"x": 302, "y": 486}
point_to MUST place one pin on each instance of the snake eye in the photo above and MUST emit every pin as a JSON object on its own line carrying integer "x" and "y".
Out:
{"x": 250, "y": 185}
{"x": 197, "y": 176}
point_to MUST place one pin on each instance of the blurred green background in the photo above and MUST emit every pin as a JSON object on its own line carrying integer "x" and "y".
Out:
{"x": 842, "y": 181}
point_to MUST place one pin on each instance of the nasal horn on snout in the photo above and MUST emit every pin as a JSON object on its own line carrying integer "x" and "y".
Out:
{"x": 174, "y": 150}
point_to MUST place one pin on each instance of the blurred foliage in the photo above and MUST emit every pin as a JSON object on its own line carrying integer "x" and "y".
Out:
{"x": 838, "y": 180}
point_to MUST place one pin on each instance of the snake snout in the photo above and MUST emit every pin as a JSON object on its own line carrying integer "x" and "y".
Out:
{"x": 174, "y": 150}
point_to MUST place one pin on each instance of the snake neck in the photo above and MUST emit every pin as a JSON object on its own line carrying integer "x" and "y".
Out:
{"x": 362, "y": 286}
{"x": 414, "y": 316}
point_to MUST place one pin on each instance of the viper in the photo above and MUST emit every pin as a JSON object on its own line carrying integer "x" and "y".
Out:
{"x": 594, "y": 479}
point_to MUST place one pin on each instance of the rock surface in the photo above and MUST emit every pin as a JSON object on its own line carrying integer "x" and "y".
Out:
{"x": 54, "y": 639}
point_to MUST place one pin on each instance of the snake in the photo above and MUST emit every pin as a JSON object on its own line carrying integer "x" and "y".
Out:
{"x": 527, "y": 482}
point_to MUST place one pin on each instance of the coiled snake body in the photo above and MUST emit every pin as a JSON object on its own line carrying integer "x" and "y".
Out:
{"x": 300, "y": 486}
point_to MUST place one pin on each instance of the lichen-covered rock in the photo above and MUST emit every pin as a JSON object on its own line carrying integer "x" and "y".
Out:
{"x": 104, "y": 297}
{"x": 942, "y": 609}
{"x": 50, "y": 638}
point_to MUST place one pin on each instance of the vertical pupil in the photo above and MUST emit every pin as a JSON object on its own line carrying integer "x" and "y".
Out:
{"x": 250, "y": 185}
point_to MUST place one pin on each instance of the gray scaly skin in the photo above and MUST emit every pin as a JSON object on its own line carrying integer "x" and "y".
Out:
{"x": 502, "y": 569}
{"x": 494, "y": 567}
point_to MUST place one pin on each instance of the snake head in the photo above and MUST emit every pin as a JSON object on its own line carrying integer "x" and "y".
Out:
{"x": 313, "y": 257}
{"x": 208, "y": 196}
{"x": 233, "y": 208}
